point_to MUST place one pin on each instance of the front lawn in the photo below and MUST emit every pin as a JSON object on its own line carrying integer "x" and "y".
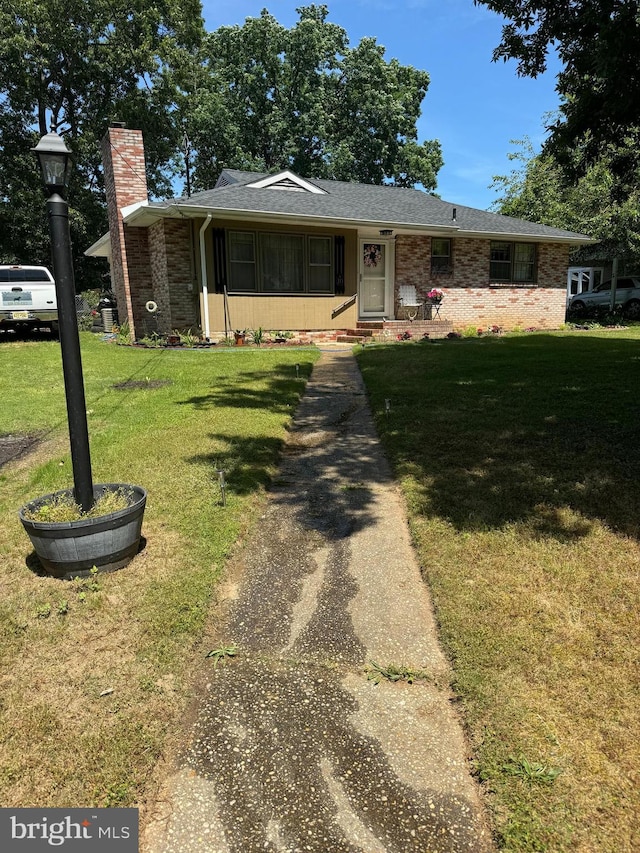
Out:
{"x": 95, "y": 674}
{"x": 520, "y": 461}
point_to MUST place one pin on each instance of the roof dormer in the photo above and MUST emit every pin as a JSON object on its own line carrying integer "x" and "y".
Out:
{"x": 287, "y": 181}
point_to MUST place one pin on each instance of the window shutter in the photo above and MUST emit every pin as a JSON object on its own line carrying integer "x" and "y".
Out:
{"x": 219, "y": 259}
{"x": 339, "y": 252}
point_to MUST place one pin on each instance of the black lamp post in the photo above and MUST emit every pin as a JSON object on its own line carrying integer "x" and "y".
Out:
{"x": 55, "y": 163}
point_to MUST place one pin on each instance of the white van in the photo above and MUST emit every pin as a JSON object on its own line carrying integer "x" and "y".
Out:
{"x": 27, "y": 298}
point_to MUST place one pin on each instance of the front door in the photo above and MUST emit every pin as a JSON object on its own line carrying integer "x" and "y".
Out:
{"x": 376, "y": 279}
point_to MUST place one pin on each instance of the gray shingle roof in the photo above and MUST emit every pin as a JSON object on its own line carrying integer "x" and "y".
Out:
{"x": 359, "y": 204}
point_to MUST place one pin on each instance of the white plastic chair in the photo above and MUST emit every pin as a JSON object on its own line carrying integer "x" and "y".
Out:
{"x": 409, "y": 301}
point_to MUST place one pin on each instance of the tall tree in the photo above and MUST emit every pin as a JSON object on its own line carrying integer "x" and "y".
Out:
{"x": 71, "y": 66}
{"x": 538, "y": 190}
{"x": 598, "y": 42}
{"x": 301, "y": 98}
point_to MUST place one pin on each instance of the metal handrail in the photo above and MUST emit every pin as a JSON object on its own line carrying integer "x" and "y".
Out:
{"x": 346, "y": 304}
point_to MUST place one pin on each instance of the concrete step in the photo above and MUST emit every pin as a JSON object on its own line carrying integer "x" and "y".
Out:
{"x": 351, "y": 339}
{"x": 365, "y": 331}
{"x": 370, "y": 324}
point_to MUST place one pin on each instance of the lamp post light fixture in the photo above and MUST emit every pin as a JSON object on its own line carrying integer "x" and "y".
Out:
{"x": 55, "y": 164}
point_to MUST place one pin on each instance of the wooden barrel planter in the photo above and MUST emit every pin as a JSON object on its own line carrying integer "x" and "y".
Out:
{"x": 68, "y": 549}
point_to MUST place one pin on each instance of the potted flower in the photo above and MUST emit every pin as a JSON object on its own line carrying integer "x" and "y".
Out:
{"x": 239, "y": 337}
{"x": 435, "y": 295}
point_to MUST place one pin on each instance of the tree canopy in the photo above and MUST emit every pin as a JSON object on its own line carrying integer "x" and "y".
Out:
{"x": 588, "y": 174}
{"x": 257, "y": 96}
{"x": 71, "y": 66}
{"x": 598, "y": 42}
{"x": 300, "y": 98}
{"x": 595, "y": 204}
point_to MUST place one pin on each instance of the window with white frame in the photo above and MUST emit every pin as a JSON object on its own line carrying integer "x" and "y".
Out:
{"x": 512, "y": 262}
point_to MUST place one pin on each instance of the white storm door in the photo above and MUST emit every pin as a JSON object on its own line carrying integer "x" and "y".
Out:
{"x": 376, "y": 280}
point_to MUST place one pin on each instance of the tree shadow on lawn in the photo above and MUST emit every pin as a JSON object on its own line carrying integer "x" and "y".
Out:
{"x": 518, "y": 430}
{"x": 324, "y": 492}
{"x": 323, "y": 472}
{"x": 281, "y": 390}
{"x": 334, "y": 500}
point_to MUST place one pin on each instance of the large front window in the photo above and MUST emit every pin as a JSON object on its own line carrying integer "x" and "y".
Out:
{"x": 512, "y": 262}
{"x": 262, "y": 262}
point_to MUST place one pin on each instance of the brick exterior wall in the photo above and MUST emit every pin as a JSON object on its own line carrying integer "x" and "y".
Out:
{"x": 139, "y": 280}
{"x": 126, "y": 183}
{"x": 159, "y": 276}
{"x": 172, "y": 276}
{"x": 181, "y": 275}
{"x": 154, "y": 263}
{"x": 470, "y": 299}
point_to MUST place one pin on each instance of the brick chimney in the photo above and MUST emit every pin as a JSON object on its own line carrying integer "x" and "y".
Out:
{"x": 126, "y": 183}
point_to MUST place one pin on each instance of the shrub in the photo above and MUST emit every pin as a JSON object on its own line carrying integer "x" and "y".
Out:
{"x": 257, "y": 335}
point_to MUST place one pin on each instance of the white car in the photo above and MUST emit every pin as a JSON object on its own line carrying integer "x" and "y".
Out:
{"x": 27, "y": 298}
{"x": 627, "y": 297}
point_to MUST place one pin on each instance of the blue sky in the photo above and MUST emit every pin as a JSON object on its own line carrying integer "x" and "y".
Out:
{"x": 475, "y": 107}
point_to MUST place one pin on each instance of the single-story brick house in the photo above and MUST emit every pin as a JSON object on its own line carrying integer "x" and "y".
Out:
{"x": 295, "y": 253}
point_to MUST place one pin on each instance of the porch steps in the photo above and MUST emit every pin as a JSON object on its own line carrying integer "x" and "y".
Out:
{"x": 384, "y": 330}
{"x": 375, "y": 330}
{"x": 351, "y": 337}
{"x": 360, "y": 332}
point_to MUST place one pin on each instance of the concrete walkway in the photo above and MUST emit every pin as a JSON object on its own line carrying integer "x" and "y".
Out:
{"x": 294, "y": 749}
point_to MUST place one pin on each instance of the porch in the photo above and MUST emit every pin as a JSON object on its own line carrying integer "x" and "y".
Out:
{"x": 388, "y": 330}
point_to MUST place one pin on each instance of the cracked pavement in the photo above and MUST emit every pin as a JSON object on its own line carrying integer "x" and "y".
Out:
{"x": 294, "y": 749}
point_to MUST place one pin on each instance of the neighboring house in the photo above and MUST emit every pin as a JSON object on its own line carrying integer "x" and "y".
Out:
{"x": 308, "y": 254}
{"x": 592, "y": 264}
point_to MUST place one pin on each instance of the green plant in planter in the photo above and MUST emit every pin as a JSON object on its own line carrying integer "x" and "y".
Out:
{"x": 69, "y": 542}
{"x": 62, "y": 507}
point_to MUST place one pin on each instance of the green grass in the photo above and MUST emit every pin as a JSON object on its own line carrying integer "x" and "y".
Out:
{"x": 95, "y": 673}
{"x": 520, "y": 461}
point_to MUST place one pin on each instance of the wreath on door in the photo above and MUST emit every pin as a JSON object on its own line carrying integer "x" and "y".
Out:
{"x": 372, "y": 254}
